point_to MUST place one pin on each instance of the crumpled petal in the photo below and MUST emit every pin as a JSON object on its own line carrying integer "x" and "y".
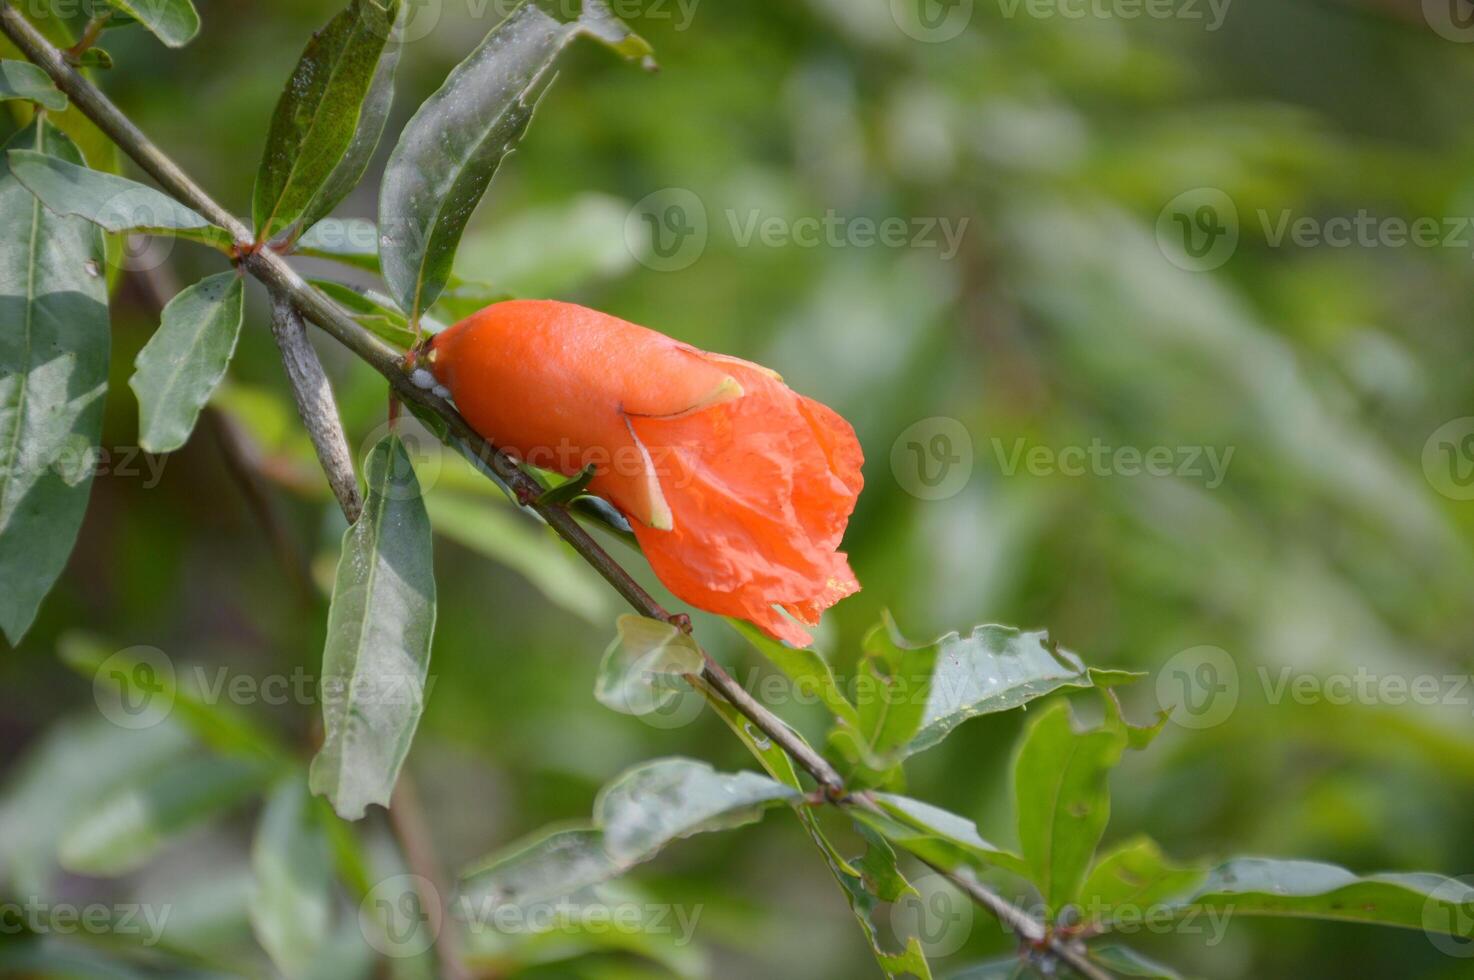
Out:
{"x": 739, "y": 489}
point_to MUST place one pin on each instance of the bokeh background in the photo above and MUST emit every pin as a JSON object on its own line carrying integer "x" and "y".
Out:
{"x": 1089, "y": 300}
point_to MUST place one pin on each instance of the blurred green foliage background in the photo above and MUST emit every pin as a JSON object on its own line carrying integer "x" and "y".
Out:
{"x": 1060, "y": 321}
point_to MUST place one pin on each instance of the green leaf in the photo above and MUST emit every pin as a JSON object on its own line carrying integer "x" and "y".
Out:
{"x": 53, "y": 376}
{"x": 499, "y": 533}
{"x": 1132, "y": 879}
{"x": 115, "y": 203}
{"x": 76, "y": 762}
{"x": 351, "y": 241}
{"x": 454, "y": 143}
{"x": 937, "y": 835}
{"x": 291, "y": 906}
{"x": 1308, "y": 889}
{"x": 377, "y": 653}
{"x": 994, "y": 668}
{"x": 121, "y": 832}
{"x": 95, "y": 58}
{"x": 1064, "y": 802}
{"x": 570, "y": 489}
{"x": 328, "y": 120}
{"x": 652, "y": 804}
{"x": 1126, "y": 962}
{"x": 646, "y": 667}
{"x": 880, "y": 881}
{"x": 893, "y": 682}
{"x": 810, "y": 674}
{"x": 371, "y": 309}
{"x": 534, "y": 874}
{"x": 23, "y": 80}
{"x": 1003, "y": 968}
{"x": 179, "y": 367}
{"x": 635, "y": 815}
{"x": 175, "y": 22}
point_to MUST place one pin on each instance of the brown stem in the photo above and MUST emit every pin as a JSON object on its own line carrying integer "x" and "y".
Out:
{"x": 412, "y": 831}
{"x": 315, "y": 404}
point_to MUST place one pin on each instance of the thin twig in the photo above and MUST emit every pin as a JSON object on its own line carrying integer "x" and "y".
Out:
{"x": 412, "y": 831}
{"x": 280, "y": 277}
{"x": 315, "y": 404}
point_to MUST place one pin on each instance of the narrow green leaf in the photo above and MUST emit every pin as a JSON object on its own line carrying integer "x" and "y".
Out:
{"x": 328, "y": 120}
{"x": 645, "y": 668}
{"x": 635, "y": 815}
{"x": 453, "y": 145}
{"x": 121, "y": 832}
{"x": 115, "y": 203}
{"x": 504, "y": 536}
{"x": 809, "y": 672}
{"x": 1126, "y": 962}
{"x": 54, "y": 348}
{"x": 175, "y": 22}
{"x": 372, "y": 309}
{"x": 1133, "y": 879}
{"x": 351, "y": 241}
{"x": 894, "y": 683}
{"x": 1064, "y": 802}
{"x": 95, "y": 58}
{"x": 75, "y": 763}
{"x": 291, "y": 905}
{"x": 534, "y": 874}
{"x": 993, "y": 668}
{"x": 1002, "y": 968}
{"x": 650, "y": 805}
{"x": 23, "y": 80}
{"x": 380, "y": 625}
{"x": 880, "y": 881}
{"x": 1308, "y": 889}
{"x": 180, "y": 366}
{"x": 938, "y": 835}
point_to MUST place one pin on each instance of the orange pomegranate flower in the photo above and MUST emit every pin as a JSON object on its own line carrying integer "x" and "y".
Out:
{"x": 737, "y": 487}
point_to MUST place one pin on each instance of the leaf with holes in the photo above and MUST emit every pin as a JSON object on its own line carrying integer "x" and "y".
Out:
{"x": 1064, "y": 802}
